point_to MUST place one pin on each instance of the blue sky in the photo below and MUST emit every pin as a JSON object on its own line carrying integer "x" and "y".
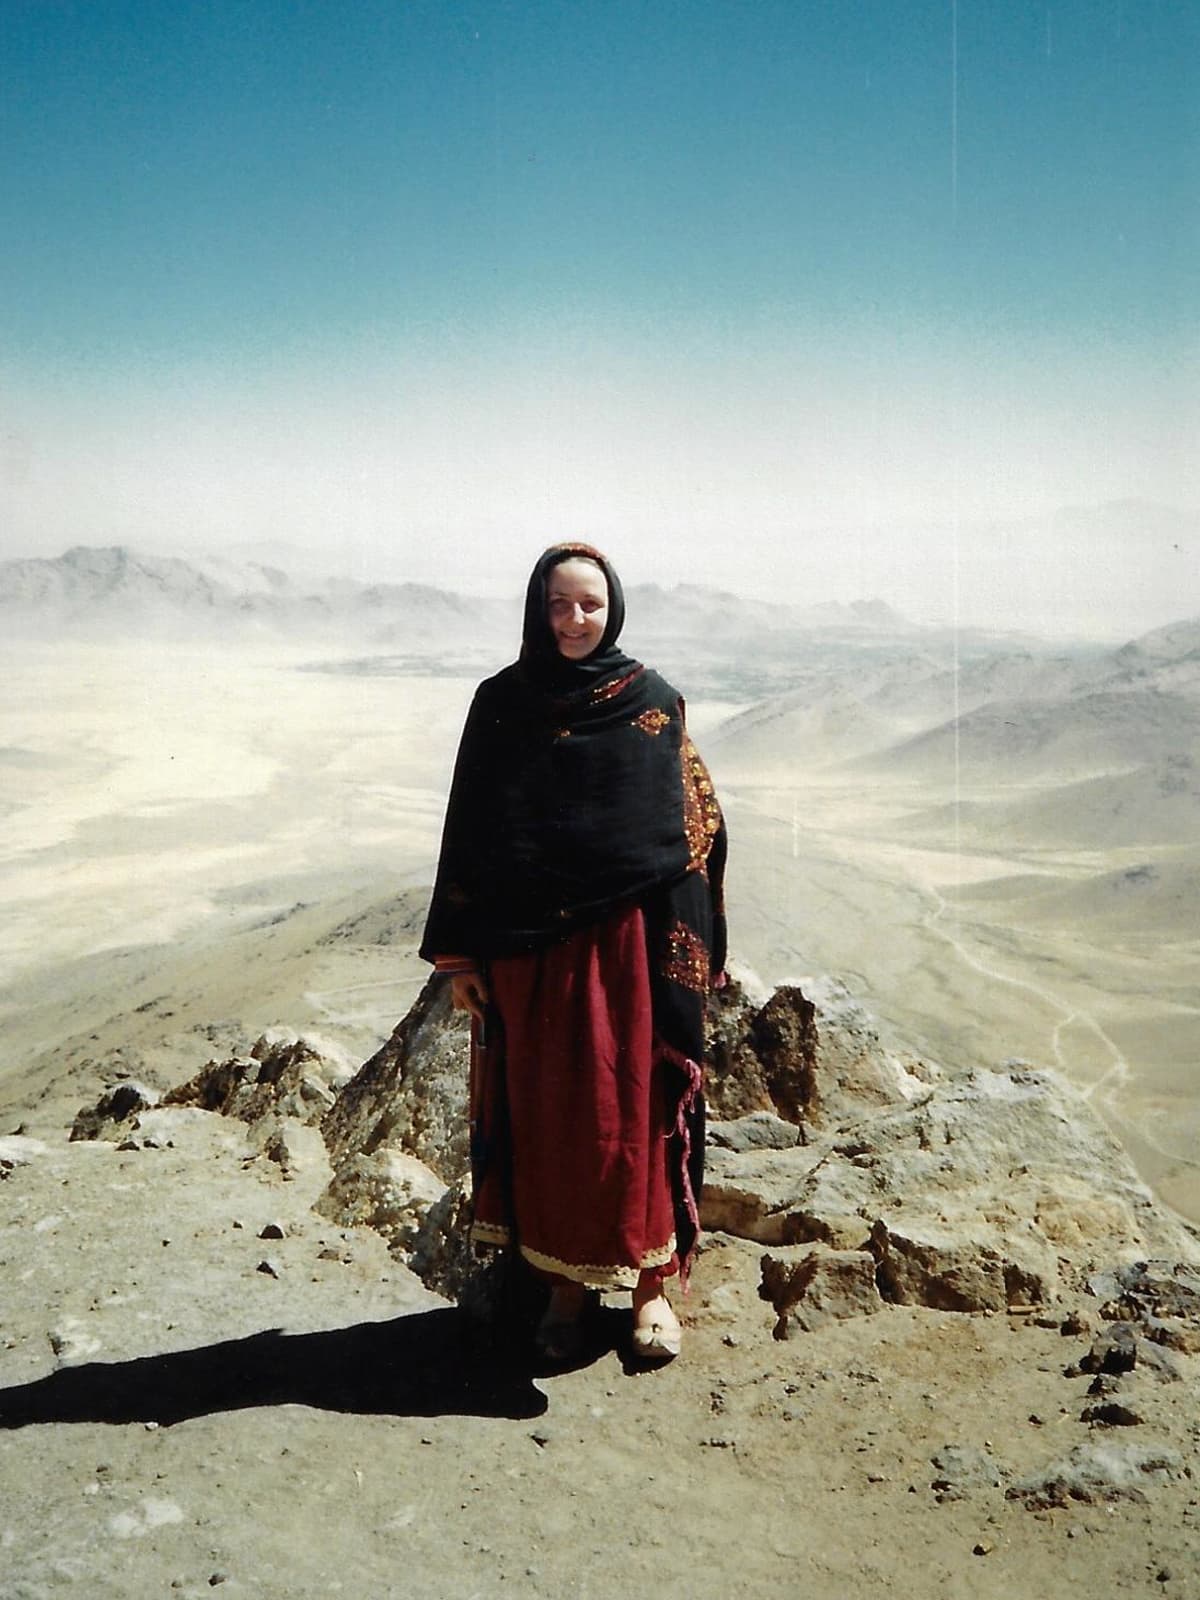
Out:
{"x": 731, "y": 285}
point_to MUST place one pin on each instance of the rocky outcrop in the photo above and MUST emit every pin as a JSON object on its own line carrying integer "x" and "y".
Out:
{"x": 115, "y": 1113}
{"x": 870, "y": 1175}
{"x": 993, "y": 1189}
{"x": 411, "y": 1095}
{"x": 289, "y": 1078}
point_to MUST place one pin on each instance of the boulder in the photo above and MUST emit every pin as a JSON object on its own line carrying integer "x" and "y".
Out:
{"x": 289, "y": 1077}
{"x": 387, "y": 1190}
{"x": 295, "y": 1147}
{"x": 758, "y": 1130}
{"x": 115, "y": 1113}
{"x": 809, "y": 1057}
{"x": 412, "y": 1093}
{"x": 991, "y": 1189}
{"x": 968, "y": 1266}
{"x": 817, "y": 1285}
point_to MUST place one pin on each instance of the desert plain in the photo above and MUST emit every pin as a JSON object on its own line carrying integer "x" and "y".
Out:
{"x": 208, "y": 841}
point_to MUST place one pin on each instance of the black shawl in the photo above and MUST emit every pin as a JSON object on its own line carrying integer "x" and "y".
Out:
{"x": 577, "y": 789}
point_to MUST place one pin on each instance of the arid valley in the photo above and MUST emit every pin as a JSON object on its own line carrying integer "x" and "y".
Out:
{"x": 220, "y": 826}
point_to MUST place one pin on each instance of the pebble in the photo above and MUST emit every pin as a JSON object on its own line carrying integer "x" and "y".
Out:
{"x": 271, "y": 1231}
{"x": 269, "y": 1268}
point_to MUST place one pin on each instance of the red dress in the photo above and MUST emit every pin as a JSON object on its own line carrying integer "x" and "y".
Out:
{"x": 572, "y": 1112}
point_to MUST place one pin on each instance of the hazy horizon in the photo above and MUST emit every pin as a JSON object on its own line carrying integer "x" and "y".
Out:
{"x": 817, "y": 302}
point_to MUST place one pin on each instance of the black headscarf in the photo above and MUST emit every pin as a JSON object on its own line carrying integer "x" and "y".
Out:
{"x": 541, "y": 660}
{"x": 576, "y": 789}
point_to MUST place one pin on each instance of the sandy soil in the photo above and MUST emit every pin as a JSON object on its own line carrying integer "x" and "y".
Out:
{"x": 174, "y": 1419}
{"x": 194, "y": 852}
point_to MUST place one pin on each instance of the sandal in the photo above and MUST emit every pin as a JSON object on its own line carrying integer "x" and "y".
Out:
{"x": 559, "y": 1337}
{"x": 659, "y": 1338}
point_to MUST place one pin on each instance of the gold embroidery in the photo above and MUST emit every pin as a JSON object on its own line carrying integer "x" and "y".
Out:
{"x": 701, "y": 810}
{"x": 687, "y": 959}
{"x": 494, "y": 1235}
{"x": 606, "y": 691}
{"x": 652, "y": 722}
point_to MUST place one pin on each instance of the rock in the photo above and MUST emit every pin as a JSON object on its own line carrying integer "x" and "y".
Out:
{"x": 754, "y": 1193}
{"x": 973, "y": 1268}
{"x": 1111, "y": 1414}
{"x": 857, "y": 1072}
{"x": 267, "y": 1268}
{"x": 288, "y": 1077}
{"x": 1174, "y": 1333}
{"x": 411, "y": 1095}
{"x": 782, "y": 1039}
{"x": 758, "y": 1130}
{"x": 734, "y": 1084}
{"x": 1075, "y": 1324}
{"x": 817, "y": 1286}
{"x": 961, "y": 1467}
{"x": 272, "y": 1230}
{"x": 1120, "y": 1349}
{"x": 388, "y": 1190}
{"x": 71, "y": 1341}
{"x": 115, "y": 1113}
{"x": 808, "y": 1057}
{"x": 1097, "y": 1472}
{"x": 990, "y": 1190}
{"x": 443, "y": 1258}
{"x": 1113, "y": 1351}
{"x": 295, "y": 1147}
{"x": 1149, "y": 1289}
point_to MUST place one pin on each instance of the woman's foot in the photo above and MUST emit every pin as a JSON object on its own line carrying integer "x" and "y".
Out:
{"x": 559, "y": 1336}
{"x": 657, "y": 1335}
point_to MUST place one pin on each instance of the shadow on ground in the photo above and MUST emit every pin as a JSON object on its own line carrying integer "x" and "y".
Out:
{"x": 424, "y": 1365}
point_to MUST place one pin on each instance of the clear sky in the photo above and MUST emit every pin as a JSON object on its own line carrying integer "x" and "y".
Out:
{"x": 822, "y": 298}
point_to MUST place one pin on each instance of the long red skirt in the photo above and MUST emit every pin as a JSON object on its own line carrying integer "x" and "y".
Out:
{"x": 570, "y": 1111}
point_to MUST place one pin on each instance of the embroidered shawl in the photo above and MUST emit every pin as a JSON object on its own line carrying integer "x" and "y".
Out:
{"x": 576, "y": 788}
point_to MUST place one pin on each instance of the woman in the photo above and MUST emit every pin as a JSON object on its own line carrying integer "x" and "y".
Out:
{"x": 577, "y": 910}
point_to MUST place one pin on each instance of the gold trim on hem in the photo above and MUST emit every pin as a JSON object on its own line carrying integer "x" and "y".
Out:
{"x": 591, "y": 1274}
{"x": 489, "y": 1233}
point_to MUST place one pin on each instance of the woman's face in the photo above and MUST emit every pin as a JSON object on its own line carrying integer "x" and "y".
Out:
{"x": 577, "y": 607}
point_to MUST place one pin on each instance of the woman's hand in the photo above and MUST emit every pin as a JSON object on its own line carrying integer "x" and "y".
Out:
{"x": 468, "y": 992}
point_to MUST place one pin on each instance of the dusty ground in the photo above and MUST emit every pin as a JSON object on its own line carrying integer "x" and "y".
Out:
{"x": 174, "y": 1415}
{"x": 159, "y": 1434}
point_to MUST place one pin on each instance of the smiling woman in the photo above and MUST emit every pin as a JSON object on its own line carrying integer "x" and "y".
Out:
{"x": 578, "y": 914}
{"x": 577, "y": 606}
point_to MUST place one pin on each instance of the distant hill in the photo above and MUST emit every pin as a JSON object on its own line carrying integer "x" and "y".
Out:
{"x": 116, "y": 592}
{"x": 1156, "y": 804}
{"x": 1051, "y": 740}
{"x": 900, "y": 707}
